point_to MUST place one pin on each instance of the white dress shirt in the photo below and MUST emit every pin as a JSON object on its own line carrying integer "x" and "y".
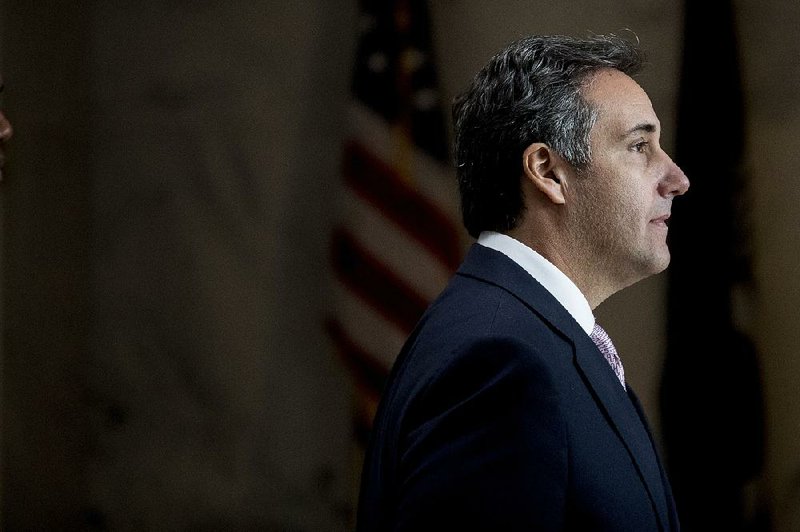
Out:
{"x": 541, "y": 269}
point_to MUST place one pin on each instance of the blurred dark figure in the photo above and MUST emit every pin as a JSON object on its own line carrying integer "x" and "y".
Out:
{"x": 5, "y": 134}
{"x": 711, "y": 395}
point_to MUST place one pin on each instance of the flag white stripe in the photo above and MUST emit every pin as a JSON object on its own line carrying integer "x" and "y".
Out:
{"x": 399, "y": 252}
{"x": 437, "y": 183}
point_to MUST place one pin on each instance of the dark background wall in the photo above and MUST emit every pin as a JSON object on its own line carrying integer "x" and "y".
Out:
{"x": 46, "y": 233}
{"x": 166, "y": 213}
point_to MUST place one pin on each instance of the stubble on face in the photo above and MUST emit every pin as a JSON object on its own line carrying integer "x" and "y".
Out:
{"x": 616, "y": 198}
{"x": 612, "y": 225}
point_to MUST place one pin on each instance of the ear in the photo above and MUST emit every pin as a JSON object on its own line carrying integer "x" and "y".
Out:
{"x": 544, "y": 169}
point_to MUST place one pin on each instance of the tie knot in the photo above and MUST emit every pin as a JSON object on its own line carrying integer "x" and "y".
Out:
{"x": 603, "y": 342}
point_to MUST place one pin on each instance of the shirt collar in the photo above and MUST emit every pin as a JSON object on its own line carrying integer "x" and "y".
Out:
{"x": 541, "y": 269}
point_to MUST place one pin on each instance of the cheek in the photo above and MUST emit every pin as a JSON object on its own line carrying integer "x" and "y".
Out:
{"x": 627, "y": 213}
{"x": 615, "y": 203}
{"x": 635, "y": 196}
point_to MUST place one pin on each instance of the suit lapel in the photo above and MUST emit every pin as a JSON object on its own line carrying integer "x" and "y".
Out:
{"x": 625, "y": 419}
{"x": 494, "y": 267}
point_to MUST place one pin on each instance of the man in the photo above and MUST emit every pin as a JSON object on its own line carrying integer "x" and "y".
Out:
{"x": 5, "y": 134}
{"x": 507, "y": 408}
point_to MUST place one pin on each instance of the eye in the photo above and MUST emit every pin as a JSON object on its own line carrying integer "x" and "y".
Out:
{"x": 640, "y": 146}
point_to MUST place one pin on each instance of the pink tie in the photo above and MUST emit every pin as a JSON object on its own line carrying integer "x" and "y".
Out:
{"x": 600, "y": 337}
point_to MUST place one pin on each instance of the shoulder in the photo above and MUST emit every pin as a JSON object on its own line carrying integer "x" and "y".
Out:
{"x": 475, "y": 354}
{"x": 479, "y": 328}
{"x": 490, "y": 370}
{"x": 478, "y": 375}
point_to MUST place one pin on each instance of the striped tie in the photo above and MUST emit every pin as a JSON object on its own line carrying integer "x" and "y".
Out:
{"x": 600, "y": 337}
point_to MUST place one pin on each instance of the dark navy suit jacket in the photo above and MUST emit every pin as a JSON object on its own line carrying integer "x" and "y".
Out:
{"x": 501, "y": 414}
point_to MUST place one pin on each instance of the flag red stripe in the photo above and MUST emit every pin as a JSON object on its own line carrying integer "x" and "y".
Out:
{"x": 374, "y": 283}
{"x": 381, "y": 185}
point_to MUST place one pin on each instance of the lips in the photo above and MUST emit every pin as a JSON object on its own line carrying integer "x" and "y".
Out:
{"x": 661, "y": 220}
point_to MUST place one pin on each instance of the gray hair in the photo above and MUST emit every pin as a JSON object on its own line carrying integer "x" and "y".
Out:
{"x": 531, "y": 91}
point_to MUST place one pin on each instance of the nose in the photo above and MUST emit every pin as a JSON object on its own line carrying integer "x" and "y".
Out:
{"x": 674, "y": 183}
{"x": 5, "y": 128}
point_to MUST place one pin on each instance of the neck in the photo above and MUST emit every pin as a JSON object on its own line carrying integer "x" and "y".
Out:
{"x": 595, "y": 286}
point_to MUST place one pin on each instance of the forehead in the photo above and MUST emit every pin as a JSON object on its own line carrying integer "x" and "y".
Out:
{"x": 620, "y": 102}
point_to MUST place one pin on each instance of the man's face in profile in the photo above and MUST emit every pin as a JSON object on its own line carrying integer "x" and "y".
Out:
{"x": 5, "y": 134}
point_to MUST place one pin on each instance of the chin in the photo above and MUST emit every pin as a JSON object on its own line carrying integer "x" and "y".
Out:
{"x": 653, "y": 264}
{"x": 658, "y": 257}
{"x": 660, "y": 263}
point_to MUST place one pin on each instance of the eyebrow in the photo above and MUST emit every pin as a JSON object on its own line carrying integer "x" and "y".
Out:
{"x": 645, "y": 127}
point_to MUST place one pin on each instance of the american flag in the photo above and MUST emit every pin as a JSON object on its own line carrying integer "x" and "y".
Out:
{"x": 398, "y": 240}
